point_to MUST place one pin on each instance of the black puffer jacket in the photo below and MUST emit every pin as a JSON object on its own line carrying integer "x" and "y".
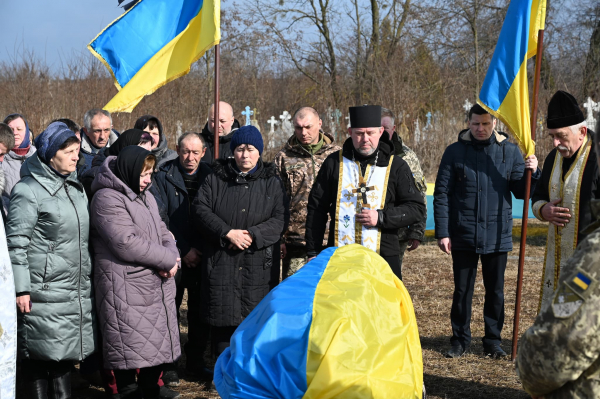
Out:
{"x": 233, "y": 282}
{"x": 224, "y": 150}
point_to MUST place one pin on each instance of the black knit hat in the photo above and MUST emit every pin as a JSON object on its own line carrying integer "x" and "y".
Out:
{"x": 365, "y": 116}
{"x": 563, "y": 111}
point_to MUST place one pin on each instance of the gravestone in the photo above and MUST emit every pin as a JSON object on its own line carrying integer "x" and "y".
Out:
{"x": 591, "y": 107}
{"x": 286, "y": 126}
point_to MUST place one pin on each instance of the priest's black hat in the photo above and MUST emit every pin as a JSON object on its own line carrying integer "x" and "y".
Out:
{"x": 365, "y": 116}
{"x": 563, "y": 111}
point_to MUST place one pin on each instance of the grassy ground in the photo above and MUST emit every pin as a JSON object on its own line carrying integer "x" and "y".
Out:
{"x": 427, "y": 274}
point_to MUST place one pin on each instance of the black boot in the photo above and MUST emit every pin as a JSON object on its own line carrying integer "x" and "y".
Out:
{"x": 59, "y": 380}
{"x": 37, "y": 389}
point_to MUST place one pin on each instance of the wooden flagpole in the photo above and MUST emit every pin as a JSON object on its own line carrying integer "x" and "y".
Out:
{"x": 216, "y": 138}
{"x": 536, "y": 88}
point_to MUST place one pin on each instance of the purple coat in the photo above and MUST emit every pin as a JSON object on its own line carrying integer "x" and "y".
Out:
{"x": 135, "y": 306}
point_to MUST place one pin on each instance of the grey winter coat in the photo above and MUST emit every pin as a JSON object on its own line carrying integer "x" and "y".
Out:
{"x": 136, "y": 307}
{"x": 47, "y": 234}
{"x": 163, "y": 153}
{"x": 12, "y": 172}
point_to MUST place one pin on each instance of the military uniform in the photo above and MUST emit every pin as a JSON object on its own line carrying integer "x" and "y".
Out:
{"x": 417, "y": 230}
{"x": 298, "y": 169}
{"x": 559, "y": 356}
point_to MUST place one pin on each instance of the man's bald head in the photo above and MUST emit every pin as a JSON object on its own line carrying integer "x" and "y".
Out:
{"x": 307, "y": 125}
{"x": 226, "y": 118}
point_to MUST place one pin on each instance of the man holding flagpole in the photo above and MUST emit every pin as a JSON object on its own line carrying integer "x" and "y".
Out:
{"x": 570, "y": 181}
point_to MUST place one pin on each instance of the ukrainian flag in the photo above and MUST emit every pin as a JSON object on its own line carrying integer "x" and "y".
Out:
{"x": 342, "y": 327}
{"x": 505, "y": 90}
{"x": 153, "y": 43}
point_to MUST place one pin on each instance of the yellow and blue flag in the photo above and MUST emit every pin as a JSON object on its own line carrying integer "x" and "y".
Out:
{"x": 342, "y": 327}
{"x": 153, "y": 43}
{"x": 505, "y": 90}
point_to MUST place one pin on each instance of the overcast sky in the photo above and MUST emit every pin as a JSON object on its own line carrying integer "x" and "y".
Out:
{"x": 52, "y": 28}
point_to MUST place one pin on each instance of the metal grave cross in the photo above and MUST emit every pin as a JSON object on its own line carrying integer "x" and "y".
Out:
{"x": 272, "y": 122}
{"x": 247, "y": 113}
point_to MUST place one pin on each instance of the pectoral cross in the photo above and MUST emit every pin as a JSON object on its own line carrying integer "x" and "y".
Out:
{"x": 361, "y": 193}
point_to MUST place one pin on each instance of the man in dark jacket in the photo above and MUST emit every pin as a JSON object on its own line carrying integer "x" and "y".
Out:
{"x": 227, "y": 126}
{"x": 409, "y": 237}
{"x": 374, "y": 191}
{"x": 473, "y": 218}
{"x": 97, "y": 133}
{"x": 177, "y": 183}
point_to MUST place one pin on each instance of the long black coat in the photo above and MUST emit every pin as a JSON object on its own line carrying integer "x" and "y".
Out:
{"x": 224, "y": 141}
{"x": 403, "y": 201}
{"x": 170, "y": 187}
{"x": 233, "y": 282}
{"x": 472, "y": 203}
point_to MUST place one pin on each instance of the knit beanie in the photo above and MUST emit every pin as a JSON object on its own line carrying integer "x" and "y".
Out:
{"x": 247, "y": 135}
{"x": 563, "y": 111}
{"x": 51, "y": 139}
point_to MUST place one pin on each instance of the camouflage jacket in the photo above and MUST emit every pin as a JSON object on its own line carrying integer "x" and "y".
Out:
{"x": 416, "y": 231}
{"x": 298, "y": 169}
{"x": 559, "y": 356}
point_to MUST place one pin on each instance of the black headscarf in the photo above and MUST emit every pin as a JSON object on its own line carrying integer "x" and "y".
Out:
{"x": 130, "y": 163}
{"x": 126, "y": 139}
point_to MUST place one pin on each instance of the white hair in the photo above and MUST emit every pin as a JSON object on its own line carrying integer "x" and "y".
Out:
{"x": 575, "y": 128}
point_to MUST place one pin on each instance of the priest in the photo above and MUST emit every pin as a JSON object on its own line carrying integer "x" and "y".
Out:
{"x": 570, "y": 180}
{"x": 366, "y": 191}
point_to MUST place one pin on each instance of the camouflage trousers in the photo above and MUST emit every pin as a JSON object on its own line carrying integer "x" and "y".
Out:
{"x": 294, "y": 260}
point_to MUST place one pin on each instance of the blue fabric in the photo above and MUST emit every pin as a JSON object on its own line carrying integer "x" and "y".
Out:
{"x": 247, "y": 135}
{"x": 27, "y": 140}
{"x": 472, "y": 198}
{"x": 517, "y": 211}
{"x": 50, "y": 140}
{"x": 274, "y": 335}
{"x": 128, "y": 45}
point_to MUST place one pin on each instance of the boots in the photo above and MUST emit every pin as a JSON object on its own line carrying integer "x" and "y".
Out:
{"x": 60, "y": 385}
{"x": 37, "y": 389}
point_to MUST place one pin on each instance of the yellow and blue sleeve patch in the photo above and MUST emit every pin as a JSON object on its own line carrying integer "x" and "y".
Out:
{"x": 582, "y": 281}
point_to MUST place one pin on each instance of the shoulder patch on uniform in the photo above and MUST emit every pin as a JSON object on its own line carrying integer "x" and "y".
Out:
{"x": 572, "y": 293}
{"x": 296, "y": 166}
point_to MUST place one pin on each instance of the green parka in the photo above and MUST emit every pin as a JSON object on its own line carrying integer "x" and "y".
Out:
{"x": 47, "y": 234}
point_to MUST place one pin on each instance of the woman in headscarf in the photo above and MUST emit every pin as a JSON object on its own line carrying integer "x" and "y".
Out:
{"x": 47, "y": 235}
{"x": 129, "y": 137}
{"x": 23, "y": 149}
{"x": 135, "y": 259}
{"x": 160, "y": 150}
{"x": 241, "y": 210}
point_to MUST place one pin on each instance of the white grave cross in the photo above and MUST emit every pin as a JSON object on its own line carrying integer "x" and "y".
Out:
{"x": 272, "y": 122}
{"x": 591, "y": 107}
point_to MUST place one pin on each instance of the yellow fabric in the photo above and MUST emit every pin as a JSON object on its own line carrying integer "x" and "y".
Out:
{"x": 172, "y": 61}
{"x": 364, "y": 341}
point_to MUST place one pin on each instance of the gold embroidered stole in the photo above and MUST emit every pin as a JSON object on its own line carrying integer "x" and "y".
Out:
{"x": 562, "y": 241}
{"x": 353, "y": 189}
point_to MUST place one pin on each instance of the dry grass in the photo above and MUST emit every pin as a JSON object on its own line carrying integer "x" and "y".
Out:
{"x": 428, "y": 276}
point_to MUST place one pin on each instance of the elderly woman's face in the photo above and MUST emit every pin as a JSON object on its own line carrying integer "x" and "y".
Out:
{"x": 145, "y": 179}
{"x": 246, "y": 156}
{"x": 65, "y": 161}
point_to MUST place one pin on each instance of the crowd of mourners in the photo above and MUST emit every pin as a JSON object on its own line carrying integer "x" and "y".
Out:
{"x": 106, "y": 231}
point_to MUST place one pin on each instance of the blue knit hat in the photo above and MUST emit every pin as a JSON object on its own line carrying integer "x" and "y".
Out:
{"x": 247, "y": 135}
{"x": 50, "y": 140}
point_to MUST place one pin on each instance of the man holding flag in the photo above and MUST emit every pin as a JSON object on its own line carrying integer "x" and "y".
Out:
{"x": 473, "y": 220}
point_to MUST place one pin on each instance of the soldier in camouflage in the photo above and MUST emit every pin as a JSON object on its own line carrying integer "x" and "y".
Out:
{"x": 559, "y": 356}
{"x": 409, "y": 237}
{"x": 298, "y": 163}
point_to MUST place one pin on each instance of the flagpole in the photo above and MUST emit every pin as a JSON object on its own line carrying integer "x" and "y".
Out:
{"x": 528, "y": 172}
{"x": 216, "y": 138}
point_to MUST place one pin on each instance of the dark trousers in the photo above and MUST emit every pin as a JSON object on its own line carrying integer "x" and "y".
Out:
{"x": 395, "y": 265}
{"x": 198, "y": 332}
{"x": 221, "y": 337}
{"x": 46, "y": 379}
{"x": 147, "y": 383}
{"x": 465, "y": 270}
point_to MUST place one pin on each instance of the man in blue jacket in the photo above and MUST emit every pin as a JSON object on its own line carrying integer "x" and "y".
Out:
{"x": 473, "y": 219}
